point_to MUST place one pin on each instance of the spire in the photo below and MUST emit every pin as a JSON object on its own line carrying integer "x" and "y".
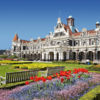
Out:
{"x": 59, "y": 20}
{"x": 15, "y": 37}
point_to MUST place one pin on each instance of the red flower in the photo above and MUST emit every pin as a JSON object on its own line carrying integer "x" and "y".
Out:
{"x": 44, "y": 80}
{"x": 75, "y": 71}
{"x": 68, "y": 78}
{"x": 26, "y": 83}
{"x": 54, "y": 75}
{"x": 49, "y": 78}
{"x": 57, "y": 74}
{"x": 62, "y": 80}
{"x": 79, "y": 76}
{"x": 62, "y": 73}
{"x": 31, "y": 78}
{"x": 39, "y": 78}
{"x": 58, "y": 77}
{"x": 69, "y": 72}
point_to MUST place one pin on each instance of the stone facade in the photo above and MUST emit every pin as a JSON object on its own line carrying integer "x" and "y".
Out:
{"x": 65, "y": 43}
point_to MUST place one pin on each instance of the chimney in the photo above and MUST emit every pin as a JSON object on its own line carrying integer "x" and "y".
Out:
{"x": 97, "y": 24}
{"x": 70, "y": 21}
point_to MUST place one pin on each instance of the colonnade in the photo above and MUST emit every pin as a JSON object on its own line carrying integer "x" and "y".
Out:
{"x": 62, "y": 56}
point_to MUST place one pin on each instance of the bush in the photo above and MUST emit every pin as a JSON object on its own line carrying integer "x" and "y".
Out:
{"x": 3, "y": 56}
{"x": 24, "y": 67}
{"x": 94, "y": 68}
{"x": 92, "y": 95}
{"x": 72, "y": 61}
{"x": 13, "y": 85}
{"x": 16, "y": 67}
{"x": 91, "y": 62}
{"x": 13, "y": 56}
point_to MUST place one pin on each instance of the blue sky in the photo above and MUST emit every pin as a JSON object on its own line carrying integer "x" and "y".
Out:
{"x": 36, "y": 18}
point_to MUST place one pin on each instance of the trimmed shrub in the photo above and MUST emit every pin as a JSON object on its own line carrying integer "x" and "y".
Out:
{"x": 92, "y": 95}
{"x": 94, "y": 68}
{"x": 72, "y": 61}
{"x": 24, "y": 67}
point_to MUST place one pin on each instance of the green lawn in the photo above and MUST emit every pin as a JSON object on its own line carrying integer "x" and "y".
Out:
{"x": 72, "y": 66}
{"x": 6, "y": 68}
{"x": 9, "y": 68}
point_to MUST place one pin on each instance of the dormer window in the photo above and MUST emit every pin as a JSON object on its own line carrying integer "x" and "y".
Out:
{"x": 84, "y": 31}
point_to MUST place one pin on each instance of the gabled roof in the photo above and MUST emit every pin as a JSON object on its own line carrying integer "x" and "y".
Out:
{"x": 24, "y": 41}
{"x": 77, "y": 34}
{"x": 35, "y": 40}
{"x": 15, "y": 37}
{"x": 43, "y": 39}
{"x": 91, "y": 32}
{"x": 67, "y": 27}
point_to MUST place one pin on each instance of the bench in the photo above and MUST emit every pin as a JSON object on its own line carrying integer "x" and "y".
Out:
{"x": 53, "y": 70}
{"x": 20, "y": 76}
{"x": 25, "y": 75}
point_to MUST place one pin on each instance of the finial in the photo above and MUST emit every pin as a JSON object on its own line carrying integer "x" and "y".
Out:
{"x": 59, "y": 20}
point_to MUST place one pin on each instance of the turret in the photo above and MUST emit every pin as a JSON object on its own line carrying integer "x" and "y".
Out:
{"x": 15, "y": 37}
{"x": 70, "y": 21}
{"x": 59, "y": 21}
{"x": 97, "y": 24}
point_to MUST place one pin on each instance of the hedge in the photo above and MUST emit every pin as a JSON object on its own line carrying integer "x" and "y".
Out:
{"x": 13, "y": 85}
{"x": 94, "y": 68}
{"x": 92, "y": 95}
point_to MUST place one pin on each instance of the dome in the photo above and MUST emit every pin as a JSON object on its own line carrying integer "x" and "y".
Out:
{"x": 70, "y": 17}
{"x": 97, "y": 22}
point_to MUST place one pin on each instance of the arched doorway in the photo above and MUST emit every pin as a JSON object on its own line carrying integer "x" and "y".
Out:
{"x": 81, "y": 56}
{"x": 90, "y": 55}
{"x": 38, "y": 56}
{"x": 64, "y": 56}
{"x": 32, "y": 56}
{"x": 51, "y": 56}
{"x": 73, "y": 55}
{"x": 57, "y": 56}
{"x": 44, "y": 57}
{"x": 24, "y": 56}
{"x": 98, "y": 55}
{"x": 35, "y": 57}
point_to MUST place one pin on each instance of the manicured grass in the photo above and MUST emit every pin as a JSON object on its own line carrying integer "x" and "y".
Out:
{"x": 9, "y": 68}
{"x": 72, "y": 66}
{"x": 6, "y": 68}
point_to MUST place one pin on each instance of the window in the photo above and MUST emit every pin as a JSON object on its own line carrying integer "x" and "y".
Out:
{"x": 92, "y": 42}
{"x": 14, "y": 48}
{"x": 24, "y": 47}
{"x": 89, "y": 41}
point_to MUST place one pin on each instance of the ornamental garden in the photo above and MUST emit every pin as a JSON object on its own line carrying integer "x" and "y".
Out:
{"x": 64, "y": 80}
